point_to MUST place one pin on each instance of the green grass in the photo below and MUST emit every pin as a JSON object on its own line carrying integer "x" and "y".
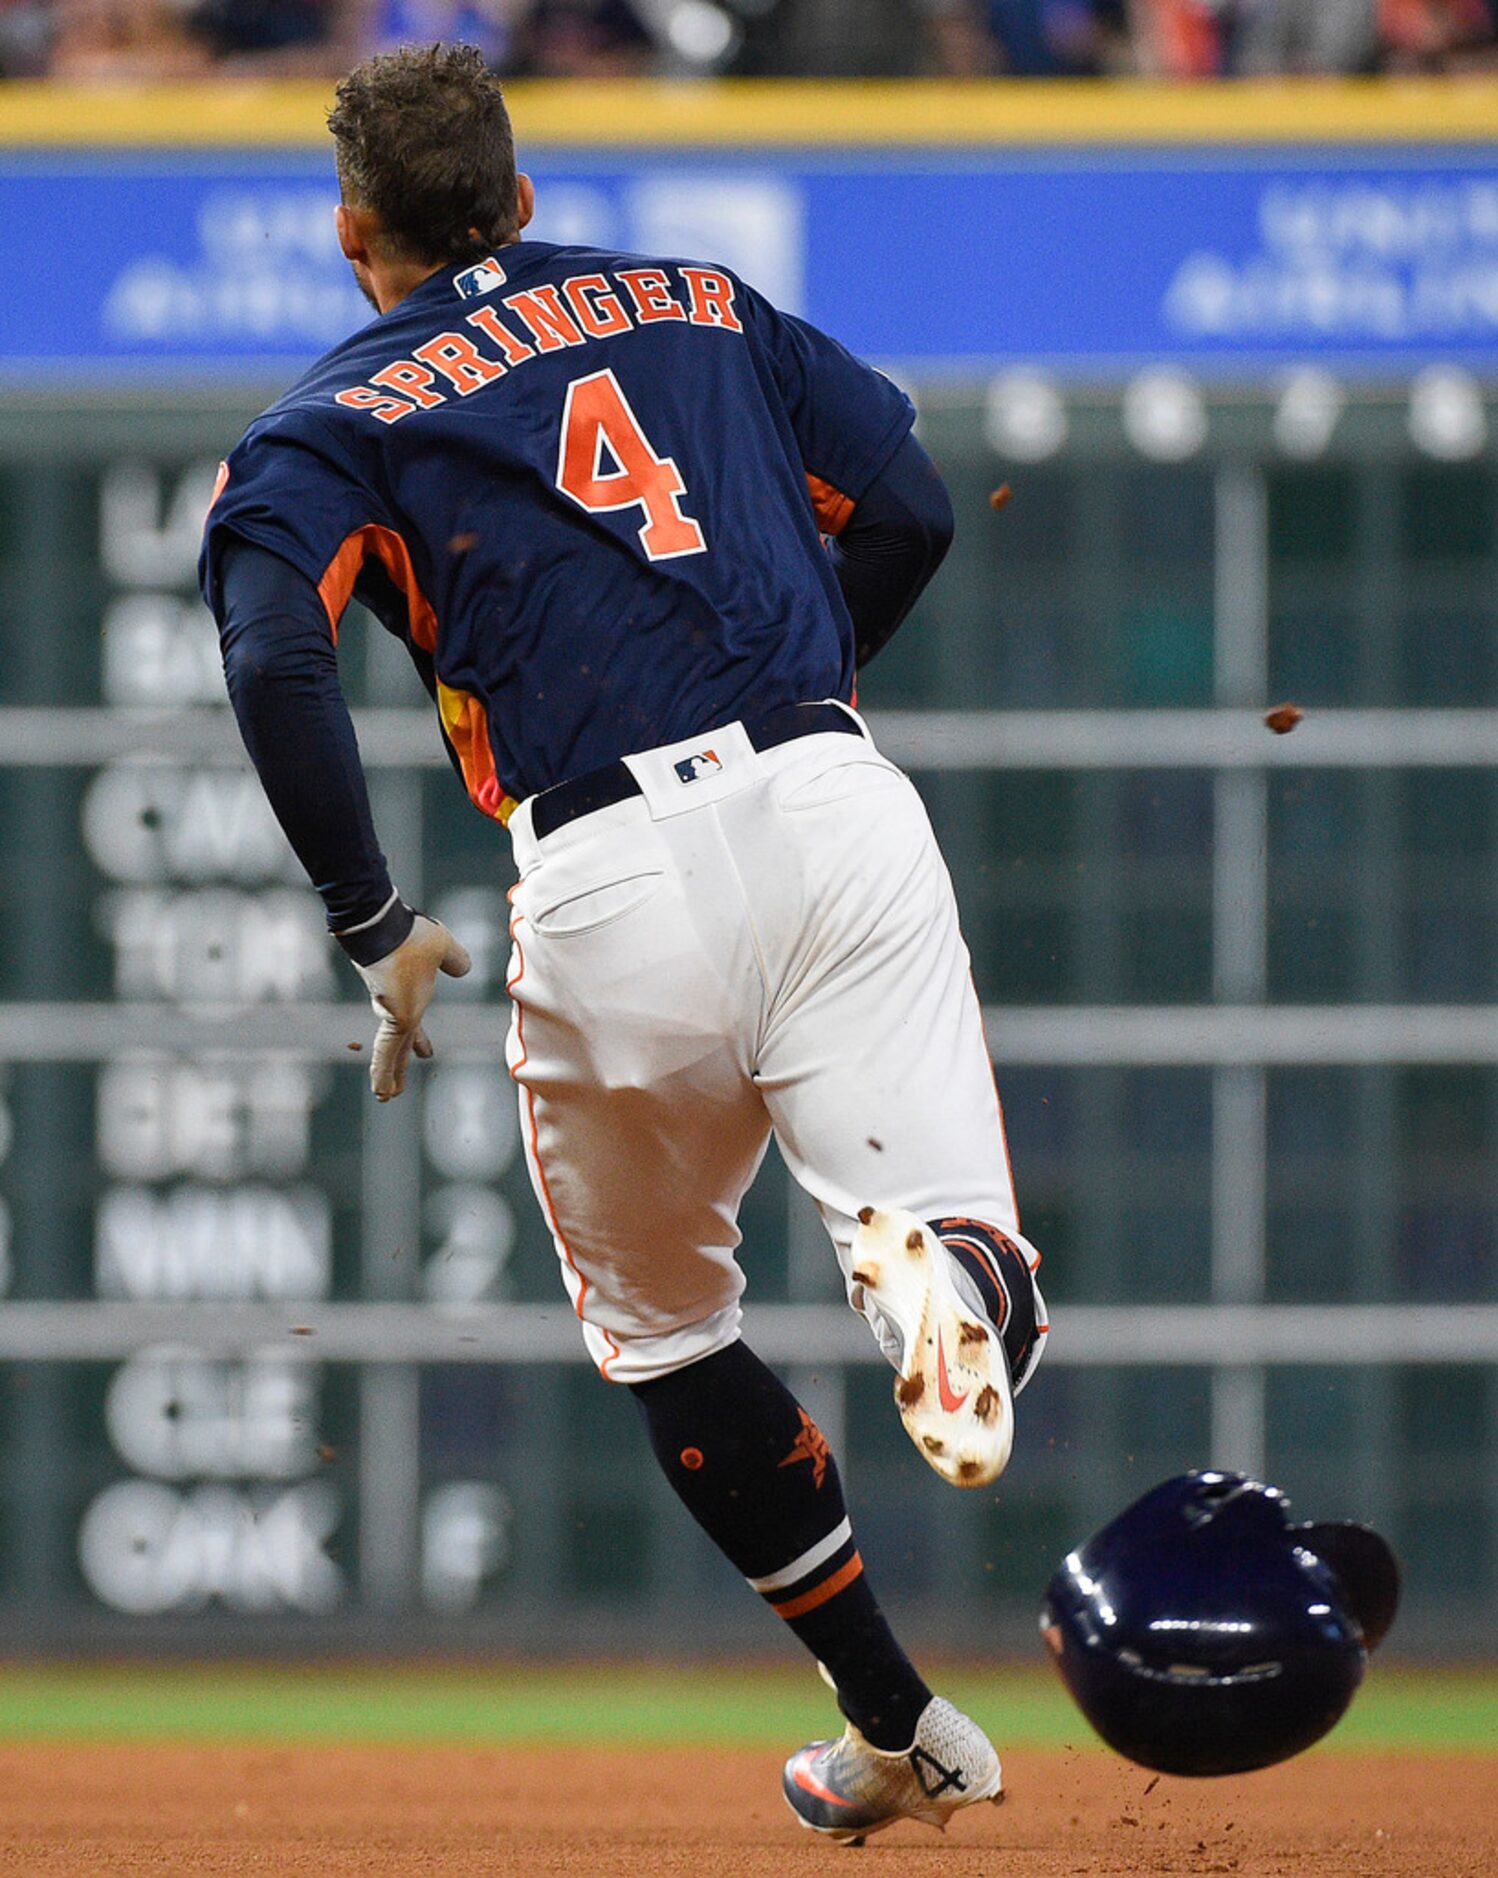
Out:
{"x": 706, "y": 1704}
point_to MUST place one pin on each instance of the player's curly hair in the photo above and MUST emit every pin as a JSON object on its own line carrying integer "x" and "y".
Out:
{"x": 423, "y": 138}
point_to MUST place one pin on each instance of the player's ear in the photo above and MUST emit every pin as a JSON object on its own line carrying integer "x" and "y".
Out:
{"x": 525, "y": 200}
{"x": 356, "y": 228}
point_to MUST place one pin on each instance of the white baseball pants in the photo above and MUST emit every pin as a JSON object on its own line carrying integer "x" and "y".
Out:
{"x": 770, "y": 944}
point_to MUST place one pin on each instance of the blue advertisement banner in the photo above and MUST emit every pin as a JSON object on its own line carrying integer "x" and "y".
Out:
{"x": 203, "y": 266}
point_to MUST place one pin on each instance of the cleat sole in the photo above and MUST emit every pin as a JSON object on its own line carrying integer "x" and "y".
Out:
{"x": 952, "y": 1389}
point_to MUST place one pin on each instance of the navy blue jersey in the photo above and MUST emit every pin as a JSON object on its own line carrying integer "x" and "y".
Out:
{"x": 588, "y": 490}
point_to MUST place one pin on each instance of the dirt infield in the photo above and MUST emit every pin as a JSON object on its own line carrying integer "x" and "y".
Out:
{"x": 229, "y": 1810}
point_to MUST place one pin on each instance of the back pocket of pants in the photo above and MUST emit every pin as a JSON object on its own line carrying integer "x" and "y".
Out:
{"x": 588, "y": 908}
{"x": 861, "y": 775}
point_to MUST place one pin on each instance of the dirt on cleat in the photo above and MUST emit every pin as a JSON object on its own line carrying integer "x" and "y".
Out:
{"x": 952, "y": 1383}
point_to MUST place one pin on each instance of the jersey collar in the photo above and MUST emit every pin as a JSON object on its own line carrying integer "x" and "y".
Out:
{"x": 466, "y": 280}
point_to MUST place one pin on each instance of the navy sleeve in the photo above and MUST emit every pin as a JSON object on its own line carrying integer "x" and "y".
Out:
{"x": 291, "y": 485}
{"x": 891, "y": 545}
{"x": 282, "y": 675}
{"x": 847, "y": 418}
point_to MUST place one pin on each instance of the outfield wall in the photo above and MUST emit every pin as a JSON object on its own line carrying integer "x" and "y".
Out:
{"x": 279, "y": 1368}
{"x": 1357, "y": 228}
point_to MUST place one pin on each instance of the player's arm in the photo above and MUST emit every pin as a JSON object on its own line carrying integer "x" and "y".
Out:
{"x": 875, "y": 492}
{"x": 282, "y": 676}
{"x": 891, "y": 545}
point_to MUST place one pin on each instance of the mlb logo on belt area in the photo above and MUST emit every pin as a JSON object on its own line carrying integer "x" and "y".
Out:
{"x": 693, "y": 768}
{"x": 482, "y": 277}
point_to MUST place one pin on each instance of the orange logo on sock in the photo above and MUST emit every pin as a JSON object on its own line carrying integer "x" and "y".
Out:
{"x": 811, "y": 1445}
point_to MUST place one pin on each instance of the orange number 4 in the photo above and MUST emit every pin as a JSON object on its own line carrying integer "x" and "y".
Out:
{"x": 596, "y": 417}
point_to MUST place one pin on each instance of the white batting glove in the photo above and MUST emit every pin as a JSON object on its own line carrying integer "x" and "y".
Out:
{"x": 401, "y": 984}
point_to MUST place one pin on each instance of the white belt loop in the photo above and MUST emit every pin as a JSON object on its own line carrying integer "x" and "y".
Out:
{"x": 686, "y": 775}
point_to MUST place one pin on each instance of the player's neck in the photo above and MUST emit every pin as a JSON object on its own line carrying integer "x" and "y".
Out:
{"x": 387, "y": 283}
{"x": 390, "y": 283}
{"x": 386, "y": 278}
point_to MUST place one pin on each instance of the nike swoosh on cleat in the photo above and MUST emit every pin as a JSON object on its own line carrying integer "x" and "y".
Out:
{"x": 808, "y": 1783}
{"x": 950, "y": 1400}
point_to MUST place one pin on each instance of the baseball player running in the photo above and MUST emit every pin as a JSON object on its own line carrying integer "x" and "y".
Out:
{"x": 638, "y": 531}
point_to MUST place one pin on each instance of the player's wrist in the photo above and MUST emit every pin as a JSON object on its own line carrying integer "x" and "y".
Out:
{"x": 376, "y": 938}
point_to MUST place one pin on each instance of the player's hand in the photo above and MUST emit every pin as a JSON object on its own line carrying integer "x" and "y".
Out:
{"x": 400, "y": 989}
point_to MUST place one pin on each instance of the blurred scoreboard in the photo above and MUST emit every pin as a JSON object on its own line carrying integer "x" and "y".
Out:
{"x": 185, "y": 1124}
{"x": 153, "y": 883}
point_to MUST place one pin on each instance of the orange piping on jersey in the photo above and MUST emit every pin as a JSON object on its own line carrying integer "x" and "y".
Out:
{"x": 462, "y": 714}
{"x": 547, "y": 1203}
{"x": 389, "y": 549}
{"x": 832, "y": 507}
{"x": 467, "y": 726}
{"x": 822, "y": 1593}
{"x": 336, "y": 587}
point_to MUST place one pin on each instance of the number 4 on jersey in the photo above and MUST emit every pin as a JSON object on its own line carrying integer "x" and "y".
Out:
{"x": 597, "y": 418}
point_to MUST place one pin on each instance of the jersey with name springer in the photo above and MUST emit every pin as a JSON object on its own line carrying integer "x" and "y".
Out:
{"x": 588, "y": 490}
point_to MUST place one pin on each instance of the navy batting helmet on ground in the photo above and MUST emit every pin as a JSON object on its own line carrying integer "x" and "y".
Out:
{"x": 1202, "y": 1633}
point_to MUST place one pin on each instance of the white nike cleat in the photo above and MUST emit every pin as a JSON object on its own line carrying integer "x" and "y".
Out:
{"x": 952, "y": 1387}
{"x": 846, "y": 1789}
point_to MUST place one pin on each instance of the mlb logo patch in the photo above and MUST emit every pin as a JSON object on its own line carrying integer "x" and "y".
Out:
{"x": 693, "y": 768}
{"x": 482, "y": 277}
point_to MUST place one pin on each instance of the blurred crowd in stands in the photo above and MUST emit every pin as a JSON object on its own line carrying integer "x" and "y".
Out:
{"x": 167, "y": 39}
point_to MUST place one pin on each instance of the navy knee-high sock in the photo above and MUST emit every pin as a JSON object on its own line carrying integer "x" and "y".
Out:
{"x": 755, "y": 1472}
